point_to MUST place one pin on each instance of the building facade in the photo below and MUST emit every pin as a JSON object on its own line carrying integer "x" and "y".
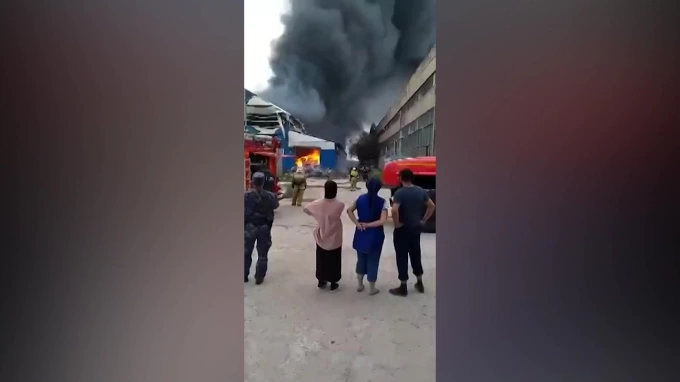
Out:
{"x": 408, "y": 127}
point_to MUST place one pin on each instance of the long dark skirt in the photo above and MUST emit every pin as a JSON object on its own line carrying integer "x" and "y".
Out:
{"x": 328, "y": 264}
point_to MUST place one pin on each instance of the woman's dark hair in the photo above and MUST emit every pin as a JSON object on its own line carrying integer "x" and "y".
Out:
{"x": 330, "y": 189}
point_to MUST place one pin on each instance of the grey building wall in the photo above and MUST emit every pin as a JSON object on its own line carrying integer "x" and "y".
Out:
{"x": 408, "y": 127}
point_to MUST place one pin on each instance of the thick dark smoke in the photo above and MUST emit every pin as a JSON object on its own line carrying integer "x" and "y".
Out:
{"x": 340, "y": 63}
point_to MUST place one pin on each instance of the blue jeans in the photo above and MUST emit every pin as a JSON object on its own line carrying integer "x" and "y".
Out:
{"x": 367, "y": 264}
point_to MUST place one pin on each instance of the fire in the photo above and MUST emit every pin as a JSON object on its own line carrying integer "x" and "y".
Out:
{"x": 311, "y": 159}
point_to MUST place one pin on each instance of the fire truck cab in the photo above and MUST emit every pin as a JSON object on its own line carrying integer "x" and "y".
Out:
{"x": 258, "y": 152}
{"x": 424, "y": 175}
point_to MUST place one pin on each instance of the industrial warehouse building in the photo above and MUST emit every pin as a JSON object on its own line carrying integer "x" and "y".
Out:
{"x": 408, "y": 127}
{"x": 262, "y": 118}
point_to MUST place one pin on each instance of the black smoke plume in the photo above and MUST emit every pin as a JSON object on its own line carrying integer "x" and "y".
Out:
{"x": 366, "y": 147}
{"x": 339, "y": 64}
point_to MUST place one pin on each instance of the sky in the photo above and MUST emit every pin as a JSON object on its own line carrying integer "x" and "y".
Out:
{"x": 262, "y": 26}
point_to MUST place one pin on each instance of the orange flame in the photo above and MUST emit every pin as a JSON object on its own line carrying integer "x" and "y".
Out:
{"x": 311, "y": 159}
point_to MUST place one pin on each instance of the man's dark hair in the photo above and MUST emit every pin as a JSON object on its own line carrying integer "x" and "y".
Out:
{"x": 258, "y": 180}
{"x": 406, "y": 175}
{"x": 330, "y": 189}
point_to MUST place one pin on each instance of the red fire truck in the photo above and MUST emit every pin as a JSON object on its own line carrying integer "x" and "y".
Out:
{"x": 261, "y": 151}
{"x": 424, "y": 175}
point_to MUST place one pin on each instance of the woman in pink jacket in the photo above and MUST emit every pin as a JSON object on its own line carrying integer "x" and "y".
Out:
{"x": 328, "y": 236}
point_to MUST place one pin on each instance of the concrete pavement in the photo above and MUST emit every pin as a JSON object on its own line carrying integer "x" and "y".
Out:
{"x": 296, "y": 332}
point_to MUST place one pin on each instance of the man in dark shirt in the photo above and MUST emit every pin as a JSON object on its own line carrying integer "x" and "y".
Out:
{"x": 410, "y": 210}
{"x": 259, "y": 206}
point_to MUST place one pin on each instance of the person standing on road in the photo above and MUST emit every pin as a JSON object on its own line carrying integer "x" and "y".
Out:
{"x": 369, "y": 235}
{"x": 353, "y": 179}
{"x": 328, "y": 236}
{"x": 412, "y": 207}
{"x": 364, "y": 173}
{"x": 299, "y": 186}
{"x": 259, "y": 206}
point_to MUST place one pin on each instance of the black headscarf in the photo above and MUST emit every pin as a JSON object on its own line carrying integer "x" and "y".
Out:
{"x": 373, "y": 186}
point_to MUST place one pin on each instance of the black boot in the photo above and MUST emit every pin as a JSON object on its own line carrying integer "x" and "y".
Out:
{"x": 259, "y": 280}
{"x": 334, "y": 287}
{"x": 245, "y": 279}
{"x": 401, "y": 290}
{"x": 419, "y": 286}
{"x": 321, "y": 284}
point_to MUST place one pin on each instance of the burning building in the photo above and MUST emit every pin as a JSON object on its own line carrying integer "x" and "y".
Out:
{"x": 306, "y": 150}
{"x": 307, "y": 157}
{"x": 262, "y": 118}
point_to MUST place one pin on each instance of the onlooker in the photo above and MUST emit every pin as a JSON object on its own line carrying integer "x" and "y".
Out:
{"x": 369, "y": 235}
{"x": 259, "y": 206}
{"x": 328, "y": 235}
{"x": 412, "y": 207}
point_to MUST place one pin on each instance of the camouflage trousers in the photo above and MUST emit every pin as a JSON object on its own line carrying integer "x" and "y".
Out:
{"x": 298, "y": 194}
{"x": 259, "y": 236}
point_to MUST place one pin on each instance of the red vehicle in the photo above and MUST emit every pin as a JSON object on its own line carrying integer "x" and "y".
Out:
{"x": 261, "y": 151}
{"x": 424, "y": 175}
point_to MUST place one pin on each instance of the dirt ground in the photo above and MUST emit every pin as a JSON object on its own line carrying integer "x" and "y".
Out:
{"x": 296, "y": 332}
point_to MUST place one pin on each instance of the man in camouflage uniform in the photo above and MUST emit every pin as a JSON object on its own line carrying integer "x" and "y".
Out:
{"x": 259, "y": 206}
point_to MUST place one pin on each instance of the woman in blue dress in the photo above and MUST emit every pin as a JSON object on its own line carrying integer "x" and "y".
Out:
{"x": 369, "y": 234}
